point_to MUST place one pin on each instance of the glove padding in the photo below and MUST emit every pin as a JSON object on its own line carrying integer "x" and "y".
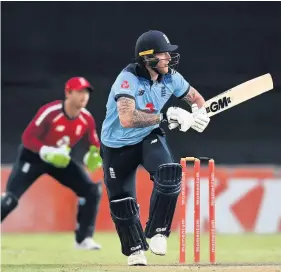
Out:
{"x": 201, "y": 119}
{"x": 177, "y": 116}
{"x": 92, "y": 159}
{"x": 57, "y": 156}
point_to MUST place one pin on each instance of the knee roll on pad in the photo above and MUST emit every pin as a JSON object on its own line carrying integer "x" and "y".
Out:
{"x": 168, "y": 178}
{"x": 125, "y": 215}
{"x": 167, "y": 186}
{"x": 8, "y": 203}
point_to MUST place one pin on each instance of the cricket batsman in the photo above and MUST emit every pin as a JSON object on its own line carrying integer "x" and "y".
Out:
{"x": 45, "y": 149}
{"x": 131, "y": 136}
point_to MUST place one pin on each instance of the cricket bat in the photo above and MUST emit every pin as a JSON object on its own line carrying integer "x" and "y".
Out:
{"x": 239, "y": 94}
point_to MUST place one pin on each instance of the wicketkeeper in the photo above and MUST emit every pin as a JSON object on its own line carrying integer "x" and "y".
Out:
{"x": 45, "y": 149}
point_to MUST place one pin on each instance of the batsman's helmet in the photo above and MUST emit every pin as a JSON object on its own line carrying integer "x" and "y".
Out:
{"x": 152, "y": 42}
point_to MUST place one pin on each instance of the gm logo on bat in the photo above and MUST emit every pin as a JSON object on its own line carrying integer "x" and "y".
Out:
{"x": 220, "y": 104}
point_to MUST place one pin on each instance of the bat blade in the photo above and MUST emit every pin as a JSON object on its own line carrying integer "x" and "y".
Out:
{"x": 239, "y": 94}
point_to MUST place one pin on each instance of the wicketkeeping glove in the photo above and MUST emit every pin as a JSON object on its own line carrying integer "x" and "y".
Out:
{"x": 57, "y": 156}
{"x": 92, "y": 158}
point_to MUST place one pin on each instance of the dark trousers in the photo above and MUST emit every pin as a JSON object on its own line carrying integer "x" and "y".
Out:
{"x": 120, "y": 164}
{"x": 29, "y": 167}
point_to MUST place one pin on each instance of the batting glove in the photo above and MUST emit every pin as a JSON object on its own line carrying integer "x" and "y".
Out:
{"x": 201, "y": 119}
{"x": 177, "y": 116}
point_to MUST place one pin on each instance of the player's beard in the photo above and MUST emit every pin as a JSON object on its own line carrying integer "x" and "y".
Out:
{"x": 163, "y": 69}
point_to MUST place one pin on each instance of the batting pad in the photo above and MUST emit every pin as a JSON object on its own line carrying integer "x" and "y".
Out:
{"x": 125, "y": 215}
{"x": 167, "y": 186}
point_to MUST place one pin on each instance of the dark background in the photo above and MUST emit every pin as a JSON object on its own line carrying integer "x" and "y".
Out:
{"x": 222, "y": 44}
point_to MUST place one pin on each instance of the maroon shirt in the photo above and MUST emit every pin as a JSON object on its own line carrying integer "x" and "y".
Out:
{"x": 50, "y": 126}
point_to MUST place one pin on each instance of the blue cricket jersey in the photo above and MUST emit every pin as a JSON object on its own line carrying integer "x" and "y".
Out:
{"x": 149, "y": 96}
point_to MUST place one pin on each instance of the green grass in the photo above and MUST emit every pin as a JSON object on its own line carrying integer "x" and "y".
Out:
{"x": 55, "y": 252}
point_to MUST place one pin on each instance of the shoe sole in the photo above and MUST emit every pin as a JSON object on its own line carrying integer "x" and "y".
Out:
{"x": 81, "y": 248}
{"x": 137, "y": 264}
{"x": 157, "y": 253}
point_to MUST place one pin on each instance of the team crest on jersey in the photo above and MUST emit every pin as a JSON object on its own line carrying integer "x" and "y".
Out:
{"x": 60, "y": 128}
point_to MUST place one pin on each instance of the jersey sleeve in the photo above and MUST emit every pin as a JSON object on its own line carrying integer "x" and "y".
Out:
{"x": 181, "y": 86}
{"x": 35, "y": 129}
{"x": 125, "y": 86}
{"x": 93, "y": 137}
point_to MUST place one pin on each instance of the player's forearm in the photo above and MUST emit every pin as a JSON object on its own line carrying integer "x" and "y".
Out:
{"x": 194, "y": 97}
{"x": 142, "y": 119}
{"x": 130, "y": 117}
{"x": 93, "y": 139}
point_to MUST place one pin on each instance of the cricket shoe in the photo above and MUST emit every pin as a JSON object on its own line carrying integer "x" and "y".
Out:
{"x": 88, "y": 244}
{"x": 137, "y": 258}
{"x": 158, "y": 244}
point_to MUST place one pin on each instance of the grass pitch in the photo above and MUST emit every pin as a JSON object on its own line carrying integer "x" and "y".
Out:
{"x": 55, "y": 252}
